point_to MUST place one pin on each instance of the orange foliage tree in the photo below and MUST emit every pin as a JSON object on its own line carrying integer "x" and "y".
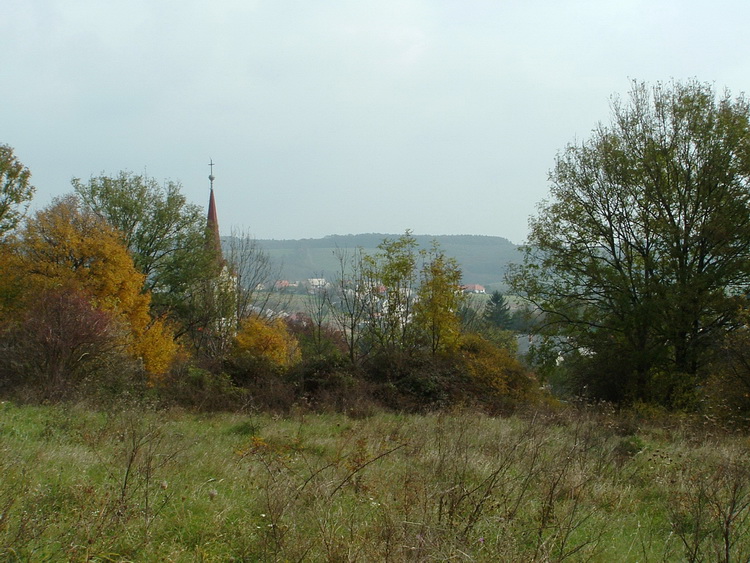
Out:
{"x": 63, "y": 246}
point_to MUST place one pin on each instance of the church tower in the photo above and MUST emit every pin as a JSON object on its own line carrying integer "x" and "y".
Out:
{"x": 213, "y": 240}
{"x": 220, "y": 287}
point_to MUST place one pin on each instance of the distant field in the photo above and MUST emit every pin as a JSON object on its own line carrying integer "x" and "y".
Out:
{"x": 144, "y": 485}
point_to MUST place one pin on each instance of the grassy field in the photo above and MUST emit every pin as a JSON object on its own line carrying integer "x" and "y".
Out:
{"x": 145, "y": 485}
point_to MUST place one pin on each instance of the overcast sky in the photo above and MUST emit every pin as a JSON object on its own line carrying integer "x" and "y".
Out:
{"x": 338, "y": 117}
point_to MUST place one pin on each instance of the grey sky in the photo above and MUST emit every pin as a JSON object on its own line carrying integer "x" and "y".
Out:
{"x": 337, "y": 117}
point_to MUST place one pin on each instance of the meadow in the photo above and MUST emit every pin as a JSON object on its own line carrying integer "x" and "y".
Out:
{"x": 140, "y": 484}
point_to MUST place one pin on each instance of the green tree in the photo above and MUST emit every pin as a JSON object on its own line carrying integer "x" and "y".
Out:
{"x": 15, "y": 190}
{"x": 390, "y": 280}
{"x": 497, "y": 311}
{"x": 641, "y": 257}
{"x": 167, "y": 238}
{"x": 164, "y": 233}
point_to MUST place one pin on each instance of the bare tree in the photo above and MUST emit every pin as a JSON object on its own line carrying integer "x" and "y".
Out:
{"x": 255, "y": 277}
{"x": 318, "y": 309}
{"x": 349, "y": 299}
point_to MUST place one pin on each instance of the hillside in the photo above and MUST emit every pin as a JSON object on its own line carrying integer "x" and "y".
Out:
{"x": 482, "y": 258}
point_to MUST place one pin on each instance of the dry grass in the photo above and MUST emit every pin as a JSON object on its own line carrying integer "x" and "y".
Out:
{"x": 153, "y": 485}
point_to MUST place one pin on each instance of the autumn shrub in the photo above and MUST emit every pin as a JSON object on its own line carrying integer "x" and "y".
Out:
{"x": 59, "y": 343}
{"x": 265, "y": 342}
{"x": 493, "y": 372}
{"x": 477, "y": 373}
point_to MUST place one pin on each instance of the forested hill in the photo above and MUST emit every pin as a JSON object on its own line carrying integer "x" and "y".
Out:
{"x": 482, "y": 258}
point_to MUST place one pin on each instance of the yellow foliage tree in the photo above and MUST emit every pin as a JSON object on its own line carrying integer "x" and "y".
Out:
{"x": 494, "y": 369}
{"x": 12, "y": 280}
{"x": 267, "y": 340}
{"x": 440, "y": 298}
{"x": 63, "y": 246}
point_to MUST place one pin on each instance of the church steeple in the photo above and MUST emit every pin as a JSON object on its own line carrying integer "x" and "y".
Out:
{"x": 212, "y": 222}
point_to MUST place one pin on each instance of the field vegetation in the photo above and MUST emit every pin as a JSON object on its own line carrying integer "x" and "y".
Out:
{"x": 134, "y": 483}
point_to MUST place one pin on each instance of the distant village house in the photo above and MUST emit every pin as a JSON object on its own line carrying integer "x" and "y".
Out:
{"x": 474, "y": 288}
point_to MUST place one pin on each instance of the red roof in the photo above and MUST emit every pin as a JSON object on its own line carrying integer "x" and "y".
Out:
{"x": 212, "y": 223}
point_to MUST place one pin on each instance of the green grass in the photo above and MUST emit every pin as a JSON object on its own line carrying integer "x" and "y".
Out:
{"x": 147, "y": 485}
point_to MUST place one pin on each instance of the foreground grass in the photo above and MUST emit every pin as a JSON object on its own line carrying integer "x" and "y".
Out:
{"x": 145, "y": 485}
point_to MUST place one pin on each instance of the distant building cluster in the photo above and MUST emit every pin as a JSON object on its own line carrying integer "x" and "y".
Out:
{"x": 312, "y": 285}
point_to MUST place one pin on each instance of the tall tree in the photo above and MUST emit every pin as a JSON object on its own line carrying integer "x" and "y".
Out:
{"x": 15, "y": 190}
{"x": 350, "y": 299}
{"x": 497, "y": 311}
{"x": 641, "y": 257}
{"x": 66, "y": 246}
{"x": 390, "y": 278}
{"x": 164, "y": 232}
{"x": 167, "y": 237}
{"x": 439, "y": 300}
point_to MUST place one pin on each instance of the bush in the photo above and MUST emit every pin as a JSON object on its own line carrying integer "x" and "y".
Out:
{"x": 192, "y": 387}
{"x": 410, "y": 381}
{"x": 61, "y": 341}
{"x": 267, "y": 340}
{"x": 493, "y": 371}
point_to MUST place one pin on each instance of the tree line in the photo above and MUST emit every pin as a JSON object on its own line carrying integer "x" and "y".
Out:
{"x": 119, "y": 288}
{"x": 634, "y": 280}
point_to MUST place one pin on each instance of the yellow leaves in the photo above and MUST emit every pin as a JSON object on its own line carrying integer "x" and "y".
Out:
{"x": 269, "y": 340}
{"x": 11, "y": 278}
{"x": 61, "y": 243}
{"x": 492, "y": 367}
{"x": 156, "y": 347}
{"x": 440, "y": 298}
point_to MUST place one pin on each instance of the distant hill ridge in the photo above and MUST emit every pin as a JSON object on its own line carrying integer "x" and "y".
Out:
{"x": 482, "y": 259}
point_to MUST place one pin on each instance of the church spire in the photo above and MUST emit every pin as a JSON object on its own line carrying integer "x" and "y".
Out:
{"x": 212, "y": 222}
